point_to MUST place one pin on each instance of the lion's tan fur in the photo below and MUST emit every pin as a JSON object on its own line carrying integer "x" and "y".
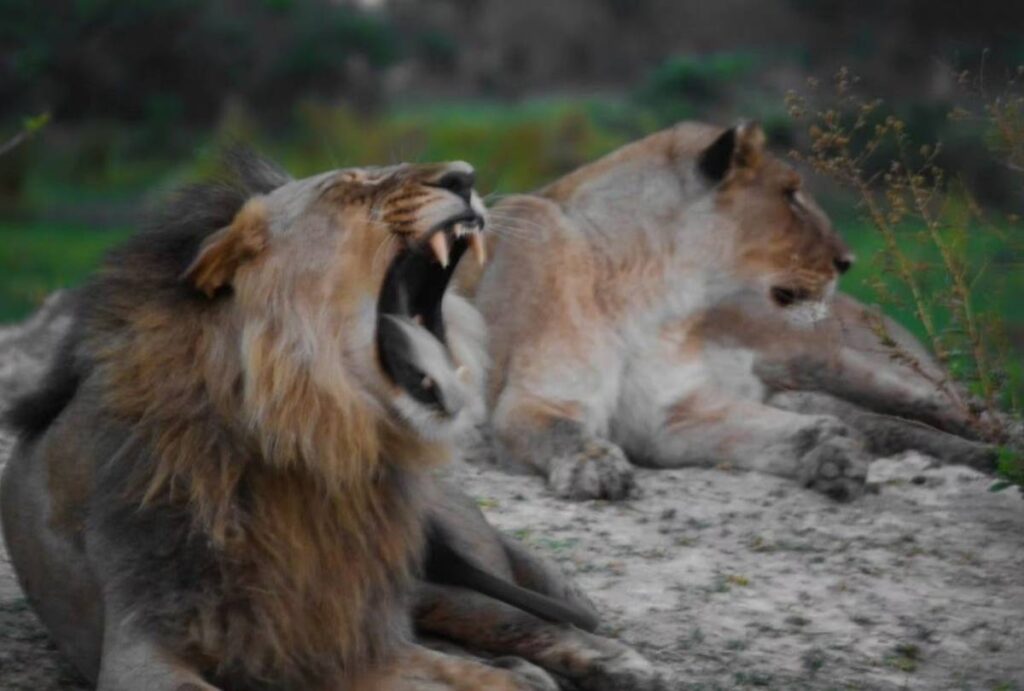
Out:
{"x": 253, "y": 404}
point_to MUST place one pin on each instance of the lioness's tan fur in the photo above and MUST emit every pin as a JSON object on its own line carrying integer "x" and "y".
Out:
{"x": 661, "y": 306}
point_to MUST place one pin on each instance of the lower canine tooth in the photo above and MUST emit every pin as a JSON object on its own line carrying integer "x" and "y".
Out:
{"x": 476, "y": 241}
{"x": 439, "y": 244}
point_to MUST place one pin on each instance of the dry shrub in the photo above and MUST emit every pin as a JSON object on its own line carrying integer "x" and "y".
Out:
{"x": 943, "y": 257}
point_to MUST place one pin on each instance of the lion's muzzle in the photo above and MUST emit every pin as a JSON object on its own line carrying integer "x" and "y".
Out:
{"x": 409, "y": 306}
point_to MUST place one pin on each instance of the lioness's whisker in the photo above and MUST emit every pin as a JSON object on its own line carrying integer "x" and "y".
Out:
{"x": 512, "y": 232}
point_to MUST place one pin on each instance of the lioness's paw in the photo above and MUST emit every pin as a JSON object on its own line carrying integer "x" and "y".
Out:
{"x": 837, "y": 467}
{"x": 599, "y": 470}
{"x": 627, "y": 670}
{"x": 819, "y": 430}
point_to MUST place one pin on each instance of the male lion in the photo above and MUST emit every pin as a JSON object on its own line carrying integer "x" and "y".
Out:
{"x": 223, "y": 481}
{"x": 665, "y": 294}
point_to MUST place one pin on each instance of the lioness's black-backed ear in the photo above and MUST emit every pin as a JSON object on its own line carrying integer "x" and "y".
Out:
{"x": 222, "y": 253}
{"x": 739, "y": 147}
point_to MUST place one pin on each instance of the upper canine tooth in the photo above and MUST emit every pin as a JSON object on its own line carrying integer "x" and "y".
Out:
{"x": 439, "y": 244}
{"x": 476, "y": 241}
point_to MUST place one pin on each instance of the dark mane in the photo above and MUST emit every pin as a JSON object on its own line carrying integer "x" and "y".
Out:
{"x": 146, "y": 267}
{"x": 155, "y": 258}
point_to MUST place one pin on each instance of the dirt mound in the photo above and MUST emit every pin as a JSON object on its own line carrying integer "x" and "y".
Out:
{"x": 730, "y": 580}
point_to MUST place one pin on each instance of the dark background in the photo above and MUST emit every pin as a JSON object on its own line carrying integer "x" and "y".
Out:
{"x": 112, "y": 103}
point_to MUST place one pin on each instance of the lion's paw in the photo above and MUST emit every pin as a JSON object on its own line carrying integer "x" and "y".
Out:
{"x": 526, "y": 674}
{"x": 599, "y": 470}
{"x": 836, "y": 467}
{"x": 627, "y": 670}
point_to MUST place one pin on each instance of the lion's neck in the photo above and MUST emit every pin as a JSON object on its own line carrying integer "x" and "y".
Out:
{"x": 318, "y": 577}
{"x": 322, "y": 580}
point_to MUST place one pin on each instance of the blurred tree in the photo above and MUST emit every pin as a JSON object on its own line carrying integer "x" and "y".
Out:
{"x": 172, "y": 62}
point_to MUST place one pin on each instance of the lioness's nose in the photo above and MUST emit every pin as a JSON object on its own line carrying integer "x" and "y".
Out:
{"x": 458, "y": 179}
{"x": 843, "y": 263}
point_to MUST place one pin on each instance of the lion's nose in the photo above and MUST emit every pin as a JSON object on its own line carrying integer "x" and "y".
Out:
{"x": 843, "y": 263}
{"x": 458, "y": 181}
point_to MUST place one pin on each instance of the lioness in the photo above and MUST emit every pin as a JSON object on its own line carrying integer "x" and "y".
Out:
{"x": 223, "y": 482}
{"x": 665, "y": 294}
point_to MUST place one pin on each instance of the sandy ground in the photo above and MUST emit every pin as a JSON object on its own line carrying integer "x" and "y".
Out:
{"x": 740, "y": 580}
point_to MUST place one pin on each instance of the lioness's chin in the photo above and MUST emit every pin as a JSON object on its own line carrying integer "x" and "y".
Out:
{"x": 808, "y": 314}
{"x": 802, "y": 307}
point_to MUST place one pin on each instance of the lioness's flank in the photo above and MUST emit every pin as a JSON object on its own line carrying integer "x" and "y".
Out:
{"x": 669, "y": 294}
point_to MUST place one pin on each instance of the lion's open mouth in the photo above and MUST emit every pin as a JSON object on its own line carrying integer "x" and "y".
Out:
{"x": 414, "y": 286}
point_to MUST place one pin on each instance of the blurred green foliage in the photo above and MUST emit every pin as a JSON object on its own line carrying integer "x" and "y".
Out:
{"x": 682, "y": 82}
{"x": 99, "y": 177}
{"x": 100, "y": 173}
{"x": 515, "y": 148}
{"x": 162, "y": 64}
{"x": 997, "y": 287}
{"x": 38, "y": 258}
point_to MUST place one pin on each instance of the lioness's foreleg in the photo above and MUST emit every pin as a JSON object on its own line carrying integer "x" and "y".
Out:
{"x": 549, "y": 437}
{"x": 591, "y": 662}
{"x": 707, "y": 427}
{"x": 864, "y": 358}
{"x": 886, "y": 435}
{"x": 873, "y": 384}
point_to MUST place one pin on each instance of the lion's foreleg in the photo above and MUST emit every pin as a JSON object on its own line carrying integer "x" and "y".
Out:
{"x": 132, "y": 660}
{"x": 591, "y": 662}
{"x": 543, "y": 576}
{"x": 422, "y": 669}
{"x": 133, "y": 656}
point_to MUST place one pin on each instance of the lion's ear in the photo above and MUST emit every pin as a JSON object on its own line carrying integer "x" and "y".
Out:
{"x": 738, "y": 148}
{"x": 224, "y": 251}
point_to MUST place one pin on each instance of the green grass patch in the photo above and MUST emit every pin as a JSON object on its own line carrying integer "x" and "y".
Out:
{"x": 36, "y": 259}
